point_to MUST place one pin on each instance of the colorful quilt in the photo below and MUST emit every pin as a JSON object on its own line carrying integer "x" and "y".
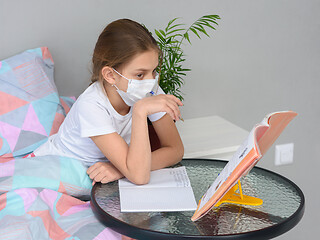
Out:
{"x": 36, "y": 200}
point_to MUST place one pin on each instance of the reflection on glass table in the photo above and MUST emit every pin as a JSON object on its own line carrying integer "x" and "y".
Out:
{"x": 282, "y": 208}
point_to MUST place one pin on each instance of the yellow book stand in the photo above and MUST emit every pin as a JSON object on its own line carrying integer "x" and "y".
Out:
{"x": 232, "y": 196}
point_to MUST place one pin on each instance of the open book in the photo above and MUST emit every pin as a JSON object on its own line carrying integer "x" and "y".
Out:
{"x": 260, "y": 139}
{"x": 169, "y": 190}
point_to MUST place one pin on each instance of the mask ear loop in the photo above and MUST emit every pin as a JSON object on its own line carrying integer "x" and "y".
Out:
{"x": 129, "y": 80}
{"x": 114, "y": 85}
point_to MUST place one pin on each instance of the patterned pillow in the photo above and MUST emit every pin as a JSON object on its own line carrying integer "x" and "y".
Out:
{"x": 30, "y": 108}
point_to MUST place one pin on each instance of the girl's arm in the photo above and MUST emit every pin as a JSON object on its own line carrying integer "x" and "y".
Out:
{"x": 171, "y": 148}
{"x": 136, "y": 162}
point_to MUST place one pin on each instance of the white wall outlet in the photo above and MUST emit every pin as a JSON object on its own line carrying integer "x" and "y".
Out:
{"x": 284, "y": 154}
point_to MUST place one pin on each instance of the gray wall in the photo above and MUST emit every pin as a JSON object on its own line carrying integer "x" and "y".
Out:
{"x": 264, "y": 57}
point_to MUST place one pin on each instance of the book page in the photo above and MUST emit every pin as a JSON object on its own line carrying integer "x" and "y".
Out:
{"x": 168, "y": 190}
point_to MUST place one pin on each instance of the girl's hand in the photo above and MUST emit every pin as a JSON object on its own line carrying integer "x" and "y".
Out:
{"x": 104, "y": 172}
{"x": 160, "y": 103}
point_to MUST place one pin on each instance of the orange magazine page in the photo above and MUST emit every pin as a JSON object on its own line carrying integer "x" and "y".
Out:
{"x": 260, "y": 139}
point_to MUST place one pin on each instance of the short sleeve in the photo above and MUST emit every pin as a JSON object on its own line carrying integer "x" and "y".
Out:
{"x": 94, "y": 118}
{"x": 156, "y": 116}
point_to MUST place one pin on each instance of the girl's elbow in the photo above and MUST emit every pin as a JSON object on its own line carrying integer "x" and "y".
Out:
{"x": 180, "y": 152}
{"x": 140, "y": 180}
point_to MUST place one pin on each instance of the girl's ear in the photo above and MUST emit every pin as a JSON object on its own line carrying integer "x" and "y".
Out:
{"x": 108, "y": 75}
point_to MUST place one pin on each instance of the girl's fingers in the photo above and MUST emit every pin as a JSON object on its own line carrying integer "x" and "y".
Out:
{"x": 162, "y": 103}
{"x": 91, "y": 169}
{"x": 94, "y": 173}
{"x": 99, "y": 177}
{"x": 174, "y": 109}
{"x": 170, "y": 104}
{"x": 172, "y": 114}
{"x": 174, "y": 104}
{"x": 104, "y": 172}
{"x": 175, "y": 99}
{"x": 168, "y": 109}
{"x": 105, "y": 179}
{"x": 177, "y": 111}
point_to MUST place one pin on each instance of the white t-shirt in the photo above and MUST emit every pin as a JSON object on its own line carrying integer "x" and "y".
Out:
{"x": 91, "y": 115}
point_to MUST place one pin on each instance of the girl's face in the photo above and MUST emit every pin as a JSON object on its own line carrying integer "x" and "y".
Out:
{"x": 143, "y": 66}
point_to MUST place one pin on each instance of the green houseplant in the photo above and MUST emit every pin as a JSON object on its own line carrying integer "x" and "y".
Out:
{"x": 171, "y": 71}
{"x": 170, "y": 41}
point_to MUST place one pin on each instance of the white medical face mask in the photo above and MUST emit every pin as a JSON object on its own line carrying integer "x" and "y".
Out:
{"x": 137, "y": 89}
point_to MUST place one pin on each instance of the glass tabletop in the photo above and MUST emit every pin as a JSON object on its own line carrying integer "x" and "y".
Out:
{"x": 282, "y": 208}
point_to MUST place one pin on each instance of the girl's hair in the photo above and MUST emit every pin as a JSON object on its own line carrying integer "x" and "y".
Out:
{"x": 118, "y": 43}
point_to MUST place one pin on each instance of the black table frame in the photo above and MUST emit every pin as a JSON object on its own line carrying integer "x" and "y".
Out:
{"x": 140, "y": 233}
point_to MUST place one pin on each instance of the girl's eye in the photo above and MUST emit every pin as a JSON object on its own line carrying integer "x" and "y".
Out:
{"x": 140, "y": 75}
{"x": 154, "y": 73}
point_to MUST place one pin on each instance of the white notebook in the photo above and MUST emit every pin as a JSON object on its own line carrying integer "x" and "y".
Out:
{"x": 169, "y": 190}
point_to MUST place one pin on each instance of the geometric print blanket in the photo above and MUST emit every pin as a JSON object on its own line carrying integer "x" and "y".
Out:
{"x": 30, "y": 213}
{"x": 37, "y": 201}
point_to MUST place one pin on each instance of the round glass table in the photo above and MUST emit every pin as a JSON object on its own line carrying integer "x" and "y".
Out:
{"x": 282, "y": 208}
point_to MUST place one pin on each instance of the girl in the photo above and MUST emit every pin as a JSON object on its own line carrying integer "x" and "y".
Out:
{"x": 107, "y": 126}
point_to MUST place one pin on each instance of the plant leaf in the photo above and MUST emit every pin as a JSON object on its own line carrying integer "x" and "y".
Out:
{"x": 175, "y": 30}
{"x": 170, "y": 22}
{"x": 174, "y": 26}
{"x": 162, "y": 32}
{"x": 195, "y": 32}
{"x": 159, "y": 35}
{"x": 186, "y": 36}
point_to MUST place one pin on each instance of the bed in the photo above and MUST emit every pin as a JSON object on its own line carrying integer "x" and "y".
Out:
{"x": 40, "y": 197}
